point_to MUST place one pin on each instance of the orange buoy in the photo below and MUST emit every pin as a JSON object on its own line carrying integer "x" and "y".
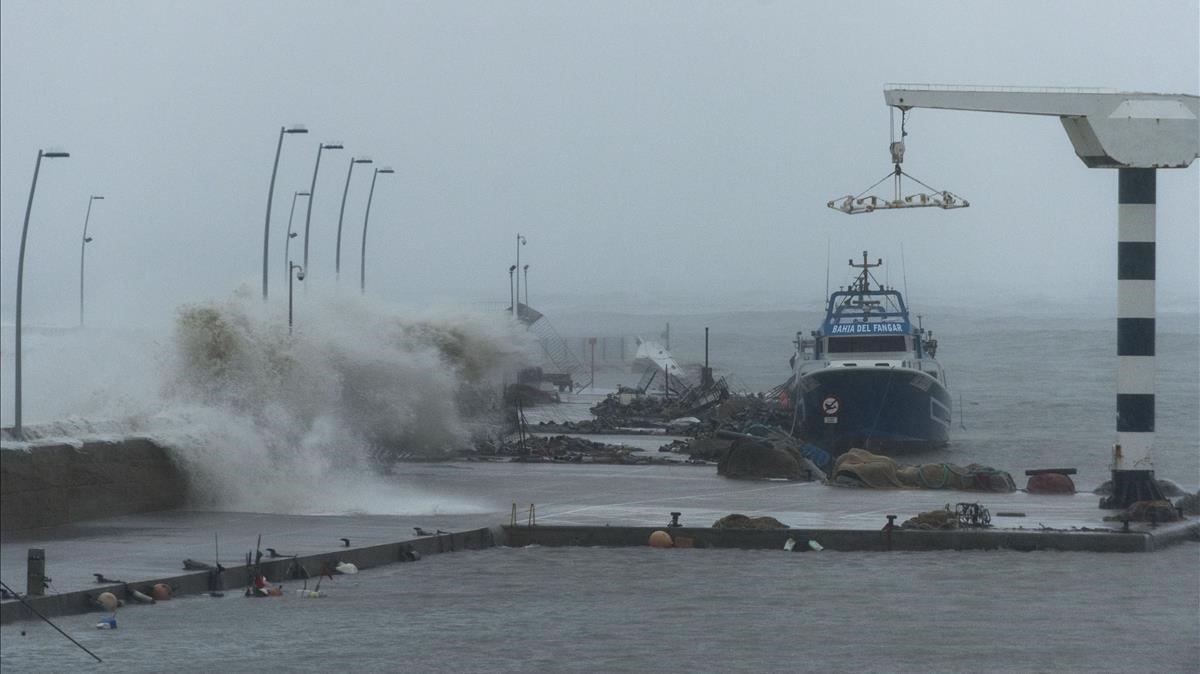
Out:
{"x": 661, "y": 539}
{"x": 161, "y": 592}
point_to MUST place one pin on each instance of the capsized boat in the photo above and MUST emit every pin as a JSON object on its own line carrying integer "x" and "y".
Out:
{"x": 868, "y": 378}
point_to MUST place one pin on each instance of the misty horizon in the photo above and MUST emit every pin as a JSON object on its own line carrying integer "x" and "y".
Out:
{"x": 665, "y": 151}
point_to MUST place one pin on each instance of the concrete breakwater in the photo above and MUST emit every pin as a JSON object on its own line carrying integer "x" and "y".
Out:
{"x": 280, "y": 570}
{"x": 851, "y": 540}
{"x": 285, "y": 569}
{"x": 57, "y": 483}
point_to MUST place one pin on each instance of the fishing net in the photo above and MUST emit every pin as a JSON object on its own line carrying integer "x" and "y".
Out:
{"x": 860, "y": 468}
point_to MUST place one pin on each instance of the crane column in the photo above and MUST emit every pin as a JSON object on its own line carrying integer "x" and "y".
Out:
{"x": 1132, "y": 465}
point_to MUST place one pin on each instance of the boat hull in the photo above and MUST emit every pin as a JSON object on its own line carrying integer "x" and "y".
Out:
{"x": 883, "y": 410}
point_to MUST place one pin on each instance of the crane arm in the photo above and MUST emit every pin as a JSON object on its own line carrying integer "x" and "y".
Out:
{"x": 1109, "y": 129}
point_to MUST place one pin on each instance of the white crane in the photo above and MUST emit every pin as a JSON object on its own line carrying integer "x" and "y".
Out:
{"x": 1135, "y": 133}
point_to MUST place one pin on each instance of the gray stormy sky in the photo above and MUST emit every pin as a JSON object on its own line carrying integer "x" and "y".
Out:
{"x": 651, "y": 152}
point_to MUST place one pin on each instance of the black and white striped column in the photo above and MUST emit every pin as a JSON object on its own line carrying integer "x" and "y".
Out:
{"x": 1133, "y": 467}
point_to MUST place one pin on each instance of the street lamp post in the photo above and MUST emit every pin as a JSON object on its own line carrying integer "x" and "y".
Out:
{"x": 526, "y": 268}
{"x": 17, "y": 432}
{"x": 591, "y": 343}
{"x": 520, "y": 242}
{"x": 337, "y": 265}
{"x": 295, "y": 272}
{"x": 296, "y": 128}
{"x": 512, "y": 297}
{"x": 83, "y": 246}
{"x": 287, "y": 244}
{"x": 312, "y": 190}
{"x": 362, "y": 263}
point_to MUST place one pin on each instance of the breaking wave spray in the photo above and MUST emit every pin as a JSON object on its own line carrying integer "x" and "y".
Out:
{"x": 310, "y": 421}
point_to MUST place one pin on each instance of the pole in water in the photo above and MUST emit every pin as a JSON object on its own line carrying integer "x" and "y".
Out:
{"x": 35, "y": 612}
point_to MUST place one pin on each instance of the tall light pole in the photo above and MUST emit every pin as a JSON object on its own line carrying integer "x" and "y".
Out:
{"x": 312, "y": 190}
{"x": 287, "y": 244}
{"x": 512, "y": 298}
{"x": 295, "y": 128}
{"x": 526, "y": 268}
{"x": 520, "y": 242}
{"x": 296, "y": 272}
{"x": 83, "y": 246}
{"x": 362, "y": 263}
{"x": 54, "y": 154}
{"x": 337, "y": 265}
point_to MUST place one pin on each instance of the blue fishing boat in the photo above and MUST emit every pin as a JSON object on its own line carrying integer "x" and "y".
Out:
{"x": 868, "y": 378}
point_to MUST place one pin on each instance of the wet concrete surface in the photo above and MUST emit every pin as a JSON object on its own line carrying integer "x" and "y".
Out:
{"x": 135, "y": 547}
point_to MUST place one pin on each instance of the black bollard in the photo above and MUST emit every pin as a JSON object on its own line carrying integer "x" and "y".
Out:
{"x": 675, "y": 520}
{"x": 35, "y": 572}
{"x": 887, "y": 530}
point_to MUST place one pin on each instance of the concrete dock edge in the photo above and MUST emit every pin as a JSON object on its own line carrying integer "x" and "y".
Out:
{"x": 861, "y": 540}
{"x": 234, "y": 578}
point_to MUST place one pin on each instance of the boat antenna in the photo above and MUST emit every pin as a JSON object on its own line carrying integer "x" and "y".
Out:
{"x": 826, "y": 266}
{"x": 903, "y": 269}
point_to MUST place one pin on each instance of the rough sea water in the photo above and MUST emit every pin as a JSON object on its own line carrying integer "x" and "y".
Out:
{"x": 640, "y": 609}
{"x": 270, "y": 424}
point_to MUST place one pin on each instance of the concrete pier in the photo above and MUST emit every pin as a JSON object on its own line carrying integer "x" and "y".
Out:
{"x": 850, "y": 540}
{"x": 235, "y": 578}
{"x": 575, "y": 505}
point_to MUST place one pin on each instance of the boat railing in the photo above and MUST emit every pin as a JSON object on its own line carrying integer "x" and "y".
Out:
{"x": 926, "y": 365}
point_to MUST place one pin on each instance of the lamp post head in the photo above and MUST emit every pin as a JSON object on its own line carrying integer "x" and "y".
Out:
{"x": 298, "y": 270}
{"x": 521, "y": 239}
{"x": 87, "y": 239}
{"x": 331, "y": 146}
{"x": 363, "y": 160}
{"x": 512, "y": 268}
{"x": 302, "y": 194}
{"x": 526, "y": 267}
{"x": 54, "y": 153}
{"x": 296, "y": 128}
{"x": 385, "y": 169}
{"x": 293, "y": 235}
{"x": 97, "y": 196}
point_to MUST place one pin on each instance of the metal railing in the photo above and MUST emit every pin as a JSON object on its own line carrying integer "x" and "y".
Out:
{"x": 920, "y": 86}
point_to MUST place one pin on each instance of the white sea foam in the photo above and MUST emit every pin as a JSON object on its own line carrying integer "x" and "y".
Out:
{"x": 266, "y": 421}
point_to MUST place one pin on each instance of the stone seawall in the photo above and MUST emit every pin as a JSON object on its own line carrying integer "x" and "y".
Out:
{"x": 51, "y": 484}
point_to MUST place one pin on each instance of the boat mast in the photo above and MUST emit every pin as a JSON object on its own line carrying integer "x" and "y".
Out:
{"x": 862, "y": 284}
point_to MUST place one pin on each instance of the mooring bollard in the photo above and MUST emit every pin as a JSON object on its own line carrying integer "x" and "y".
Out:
{"x": 887, "y": 530}
{"x": 675, "y": 520}
{"x": 35, "y": 572}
